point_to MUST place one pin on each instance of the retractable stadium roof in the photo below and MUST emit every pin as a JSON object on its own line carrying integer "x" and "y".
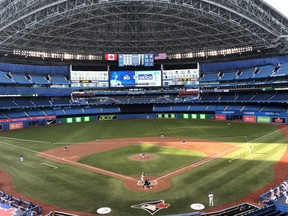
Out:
{"x": 140, "y": 26}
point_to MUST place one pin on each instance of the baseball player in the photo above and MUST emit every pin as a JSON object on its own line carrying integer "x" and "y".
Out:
{"x": 250, "y": 149}
{"x": 211, "y": 199}
{"x": 271, "y": 193}
{"x": 21, "y": 158}
{"x": 183, "y": 142}
{"x": 142, "y": 177}
{"x": 142, "y": 155}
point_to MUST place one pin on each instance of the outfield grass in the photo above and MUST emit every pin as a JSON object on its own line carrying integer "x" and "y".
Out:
{"x": 230, "y": 178}
{"x": 167, "y": 160}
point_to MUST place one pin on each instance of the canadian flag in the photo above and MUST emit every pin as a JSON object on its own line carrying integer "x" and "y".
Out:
{"x": 111, "y": 57}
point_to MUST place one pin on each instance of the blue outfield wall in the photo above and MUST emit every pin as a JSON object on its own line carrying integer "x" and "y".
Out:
{"x": 254, "y": 117}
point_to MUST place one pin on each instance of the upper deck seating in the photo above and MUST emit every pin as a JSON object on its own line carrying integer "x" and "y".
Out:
{"x": 264, "y": 71}
{"x": 282, "y": 71}
{"x": 209, "y": 77}
{"x": 59, "y": 80}
{"x": 4, "y": 79}
{"x": 228, "y": 76}
{"x": 244, "y": 97}
{"x": 245, "y": 74}
{"x": 227, "y": 97}
{"x": 209, "y": 98}
{"x": 39, "y": 79}
{"x": 21, "y": 79}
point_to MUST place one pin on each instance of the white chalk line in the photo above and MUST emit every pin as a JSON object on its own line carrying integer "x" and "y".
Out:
{"x": 198, "y": 163}
{"x": 234, "y": 158}
{"x": 46, "y": 164}
{"x": 102, "y": 171}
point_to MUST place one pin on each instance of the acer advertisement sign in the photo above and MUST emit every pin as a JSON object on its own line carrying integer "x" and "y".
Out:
{"x": 220, "y": 117}
{"x": 249, "y": 118}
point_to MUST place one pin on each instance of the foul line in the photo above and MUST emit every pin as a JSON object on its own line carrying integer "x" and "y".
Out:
{"x": 46, "y": 164}
{"x": 198, "y": 163}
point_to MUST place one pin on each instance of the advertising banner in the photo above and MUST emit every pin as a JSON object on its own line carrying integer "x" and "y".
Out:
{"x": 249, "y": 118}
{"x": 220, "y": 117}
{"x": 15, "y": 126}
{"x": 263, "y": 119}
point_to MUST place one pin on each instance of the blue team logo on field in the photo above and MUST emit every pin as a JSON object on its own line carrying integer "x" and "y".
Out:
{"x": 152, "y": 207}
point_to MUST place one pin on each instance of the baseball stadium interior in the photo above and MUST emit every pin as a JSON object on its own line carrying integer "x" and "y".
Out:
{"x": 88, "y": 60}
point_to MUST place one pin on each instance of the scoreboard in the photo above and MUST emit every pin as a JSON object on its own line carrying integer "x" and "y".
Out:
{"x": 135, "y": 60}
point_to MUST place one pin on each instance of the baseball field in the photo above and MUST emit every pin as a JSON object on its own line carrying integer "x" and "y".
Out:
{"x": 237, "y": 162}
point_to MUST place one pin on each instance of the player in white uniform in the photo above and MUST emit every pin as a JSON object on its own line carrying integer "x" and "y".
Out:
{"x": 211, "y": 199}
{"x": 142, "y": 177}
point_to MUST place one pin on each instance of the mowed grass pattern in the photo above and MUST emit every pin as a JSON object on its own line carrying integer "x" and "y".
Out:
{"x": 230, "y": 178}
{"x": 167, "y": 160}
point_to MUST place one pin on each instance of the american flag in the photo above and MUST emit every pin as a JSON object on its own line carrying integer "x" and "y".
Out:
{"x": 6, "y": 210}
{"x": 160, "y": 56}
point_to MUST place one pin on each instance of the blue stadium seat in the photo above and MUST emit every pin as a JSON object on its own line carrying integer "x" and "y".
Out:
{"x": 4, "y": 79}
{"x": 264, "y": 72}
{"x": 245, "y": 74}
{"x": 282, "y": 71}
{"x": 228, "y": 76}
{"x": 59, "y": 80}
{"x": 209, "y": 77}
{"x": 21, "y": 79}
{"x": 39, "y": 79}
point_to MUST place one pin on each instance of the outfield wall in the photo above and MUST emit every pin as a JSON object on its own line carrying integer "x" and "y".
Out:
{"x": 252, "y": 117}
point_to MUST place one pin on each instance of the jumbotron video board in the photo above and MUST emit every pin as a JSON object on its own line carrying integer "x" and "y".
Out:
{"x": 141, "y": 78}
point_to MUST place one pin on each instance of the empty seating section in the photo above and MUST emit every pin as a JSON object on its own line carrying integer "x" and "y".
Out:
{"x": 196, "y": 107}
{"x": 59, "y": 80}
{"x": 177, "y": 108}
{"x": 7, "y": 102}
{"x": 209, "y": 98}
{"x": 245, "y": 74}
{"x": 244, "y": 96}
{"x": 111, "y": 110}
{"x": 21, "y": 79}
{"x": 91, "y": 110}
{"x": 221, "y": 107}
{"x": 282, "y": 71}
{"x": 209, "y": 77}
{"x": 228, "y": 76}
{"x": 4, "y": 79}
{"x": 162, "y": 108}
{"x": 3, "y": 116}
{"x": 39, "y": 79}
{"x": 73, "y": 111}
{"x": 280, "y": 97}
{"x": 234, "y": 107}
{"x": 211, "y": 108}
{"x": 34, "y": 113}
{"x": 49, "y": 111}
{"x": 61, "y": 102}
{"x": 255, "y": 108}
{"x": 262, "y": 97}
{"x": 59, "y": 111}
{"x": 15, "y": 114}
{"x": 264, "y": 71}
{"x": 227, "y": 97}
{"x": 274, "y": 109}
{"x": 23, "y": 102}
{"x": 41, "y": 102}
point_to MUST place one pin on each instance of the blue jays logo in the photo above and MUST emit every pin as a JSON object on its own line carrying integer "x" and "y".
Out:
{"x": 152, "y": 207}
